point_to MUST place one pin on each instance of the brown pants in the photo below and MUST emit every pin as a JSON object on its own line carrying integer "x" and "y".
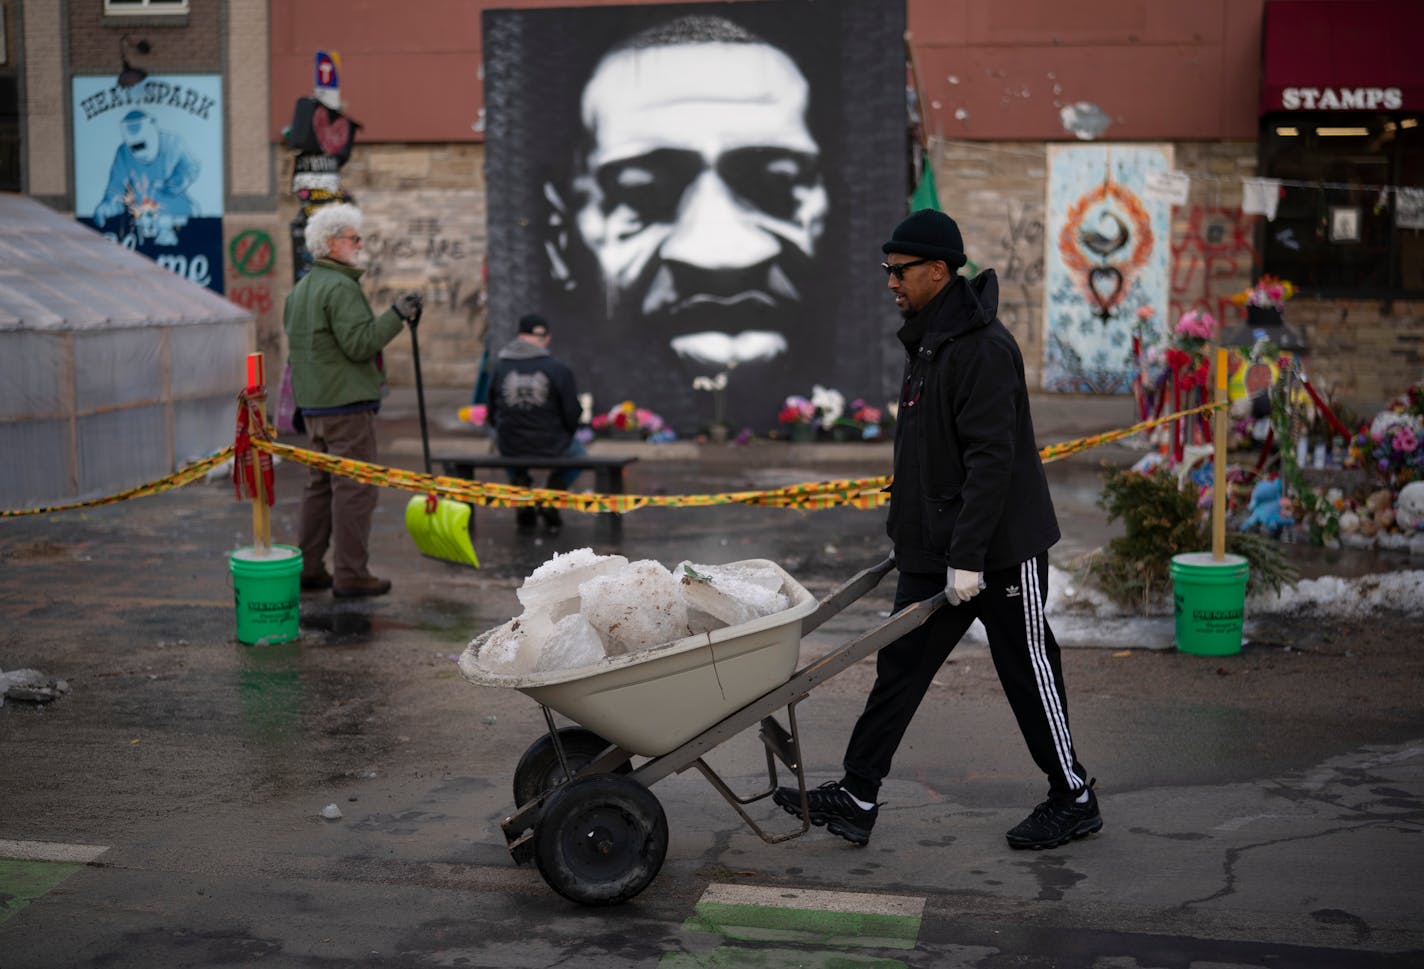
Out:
{"x": 335, "y": 509}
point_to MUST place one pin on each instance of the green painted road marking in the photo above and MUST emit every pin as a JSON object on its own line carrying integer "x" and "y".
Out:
{"x": 769, "y": 914}
{"x": 734, "y": 957}
{"x": 23, "y": 881}
{"x": 28, "y": 869}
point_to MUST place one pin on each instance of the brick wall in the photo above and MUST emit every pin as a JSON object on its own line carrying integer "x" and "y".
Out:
{"x": 1362, "y": 352}
{"x": 179, "y": 43}
{"x": 46, "y": 93}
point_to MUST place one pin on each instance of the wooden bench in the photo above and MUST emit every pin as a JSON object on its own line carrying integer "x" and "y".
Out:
{"x": 607, "y": 470}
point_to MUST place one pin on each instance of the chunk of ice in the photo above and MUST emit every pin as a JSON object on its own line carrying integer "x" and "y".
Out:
{"x": 635, "y": 608}
{"x": 731, "y": 594}
{"x": 553, "y": 586}
{"x": 513, "y": 649}
{"x": 572, "y": 643}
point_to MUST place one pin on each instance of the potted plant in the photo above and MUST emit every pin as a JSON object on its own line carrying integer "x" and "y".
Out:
{"x": 717, "y": 431}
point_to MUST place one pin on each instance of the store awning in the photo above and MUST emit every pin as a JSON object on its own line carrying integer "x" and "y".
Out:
{"x": 1343, "y": 55}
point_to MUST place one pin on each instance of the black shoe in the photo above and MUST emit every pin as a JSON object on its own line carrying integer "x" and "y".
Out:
{"x": 525, "y": 518}
{"x": 831, "y": 805}
{"x": 316, "y": 581}
{"x": 552, "y": 521}
{"x": 1055, "y": 823}
{"x": 369, "y": 586}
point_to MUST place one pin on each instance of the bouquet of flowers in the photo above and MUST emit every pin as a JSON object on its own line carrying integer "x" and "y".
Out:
{"x": 1392, "y": 445}
{"x": 823, "y": 408}
{"x": 796, "y": 410}
{"x": 1186, "y": 354}
{"x": 862, "y": 420}
{"x": 627, "y": 418}
{"x": 1269, "y": 292}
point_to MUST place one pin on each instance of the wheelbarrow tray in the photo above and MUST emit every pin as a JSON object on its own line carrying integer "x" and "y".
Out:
{"x": 652, "y": 701}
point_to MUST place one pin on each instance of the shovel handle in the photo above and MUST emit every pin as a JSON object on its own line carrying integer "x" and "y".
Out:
{"x": 419, "y": 390}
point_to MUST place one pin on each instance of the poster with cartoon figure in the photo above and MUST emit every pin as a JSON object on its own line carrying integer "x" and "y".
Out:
{"x": 148, "y": 168}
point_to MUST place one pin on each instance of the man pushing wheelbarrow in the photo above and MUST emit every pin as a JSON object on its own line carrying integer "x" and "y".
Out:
{"x": 970, "y": 515}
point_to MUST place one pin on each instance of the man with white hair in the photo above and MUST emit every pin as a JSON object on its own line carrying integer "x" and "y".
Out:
{"x": 334, "y": 341}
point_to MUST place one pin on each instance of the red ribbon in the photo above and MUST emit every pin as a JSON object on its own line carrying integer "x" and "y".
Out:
{"x": 1330, "y": 417}
{"x": 250, "y": 424}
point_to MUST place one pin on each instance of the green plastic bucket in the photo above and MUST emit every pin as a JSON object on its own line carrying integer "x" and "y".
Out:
{"x": 1209, "y": 602}
{"x": 266, "y": 589}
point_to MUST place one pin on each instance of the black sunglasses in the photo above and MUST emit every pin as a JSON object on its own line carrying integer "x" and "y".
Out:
{"x": 897, "y": 269}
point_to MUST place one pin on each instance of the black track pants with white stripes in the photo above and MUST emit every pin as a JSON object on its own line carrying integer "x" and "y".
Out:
{"x": 1025, "y": 656}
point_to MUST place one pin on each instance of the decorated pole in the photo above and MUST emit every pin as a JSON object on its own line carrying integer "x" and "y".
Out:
{"x": 261, "y": 511}
{"x": 1218, "y": 479}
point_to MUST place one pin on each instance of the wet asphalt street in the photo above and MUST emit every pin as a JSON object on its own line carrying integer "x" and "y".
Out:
{"x": 168, "y": 810}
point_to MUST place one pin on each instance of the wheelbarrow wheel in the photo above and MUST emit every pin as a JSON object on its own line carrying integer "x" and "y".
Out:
{"x": 601, "y": 839}
{"x": 539, "y": 772}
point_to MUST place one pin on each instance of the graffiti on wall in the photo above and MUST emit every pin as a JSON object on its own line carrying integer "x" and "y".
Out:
{"x": 252, "y": 261}
{"x": 431, "y": 241}
{"x": 1106, "y": 253}
{"x": 1212, "y": 259}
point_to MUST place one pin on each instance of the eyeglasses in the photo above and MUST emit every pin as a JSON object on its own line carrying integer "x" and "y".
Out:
{"x": 897, "y": 269}
{"x": 352, "y": 236}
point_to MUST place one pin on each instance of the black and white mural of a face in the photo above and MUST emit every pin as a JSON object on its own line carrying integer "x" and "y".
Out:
{"x": 692, "y": 222}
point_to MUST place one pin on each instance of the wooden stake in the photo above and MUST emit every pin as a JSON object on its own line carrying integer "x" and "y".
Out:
{"x": 261, "y": 513}
{"x": 1218, "y": 477}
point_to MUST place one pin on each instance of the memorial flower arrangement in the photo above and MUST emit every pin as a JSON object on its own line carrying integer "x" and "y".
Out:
{"x": 628, "y": 418}
{"x": 822, "y": 409}
{"x": 796, "y": 410}
{"x": 1392, "y": 445}
{"x": 1186, "y": 355}
{"x": 474, "y": 414}
{"x": 1269, "y": 292}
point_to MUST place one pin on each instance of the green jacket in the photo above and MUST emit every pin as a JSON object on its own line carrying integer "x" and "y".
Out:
{"x": 333, "y": 337}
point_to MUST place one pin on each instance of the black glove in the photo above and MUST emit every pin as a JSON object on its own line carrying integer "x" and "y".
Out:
{"x": 407, "y": 306}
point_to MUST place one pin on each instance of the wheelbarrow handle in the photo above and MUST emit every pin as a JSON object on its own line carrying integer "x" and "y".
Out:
{"x": 857, "y": 586}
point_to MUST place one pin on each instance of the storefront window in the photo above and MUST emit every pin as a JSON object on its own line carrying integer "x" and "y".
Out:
{"x": 1336, "y": 231}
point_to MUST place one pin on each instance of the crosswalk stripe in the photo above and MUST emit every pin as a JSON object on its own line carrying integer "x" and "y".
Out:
{"x": 50, "y": 851}
{"x": 752, "y": 913}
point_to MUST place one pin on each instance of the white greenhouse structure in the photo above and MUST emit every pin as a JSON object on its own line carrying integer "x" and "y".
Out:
{"x": 113, "y": 370}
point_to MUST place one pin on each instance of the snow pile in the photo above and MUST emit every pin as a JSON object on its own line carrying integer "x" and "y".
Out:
{"x": 580, "y": 607}
{"x": 1334, "y": 596}
{"x": 1080, "y": 614}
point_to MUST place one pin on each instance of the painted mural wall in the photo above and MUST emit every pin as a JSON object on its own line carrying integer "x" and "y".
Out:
{"x": 1107, "y": 255}
{"x": 693, "y": 189}
{"x": 148, "y": 168}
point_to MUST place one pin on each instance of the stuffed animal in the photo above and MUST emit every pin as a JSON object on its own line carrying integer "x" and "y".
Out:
{"x": 1409, "y": 507}
{"x": 1266, "y": 508}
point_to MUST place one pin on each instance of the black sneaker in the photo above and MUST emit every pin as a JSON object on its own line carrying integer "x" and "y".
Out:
{"x": 831, "y": 805}
{"x": 1055, "y": 823}
{"x": 552, "y": 521}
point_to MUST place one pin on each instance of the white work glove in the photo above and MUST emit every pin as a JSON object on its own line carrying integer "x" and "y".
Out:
{"x": 961, "y": 586}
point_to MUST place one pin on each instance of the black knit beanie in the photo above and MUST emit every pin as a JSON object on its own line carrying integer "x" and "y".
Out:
{"x": 930, "y": 234}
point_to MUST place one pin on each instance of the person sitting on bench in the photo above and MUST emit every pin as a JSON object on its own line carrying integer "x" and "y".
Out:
{"x": 533, "y": 410}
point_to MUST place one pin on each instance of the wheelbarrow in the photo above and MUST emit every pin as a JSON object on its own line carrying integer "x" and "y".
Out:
{"x": 584, "y": 813}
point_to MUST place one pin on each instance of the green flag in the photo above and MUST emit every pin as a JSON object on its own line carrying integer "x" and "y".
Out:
{"x": 925, "y": 195}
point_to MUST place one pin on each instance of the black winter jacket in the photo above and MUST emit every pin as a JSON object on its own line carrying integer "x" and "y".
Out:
{"x": 533, "y": 402}
{"x": 969, "y": 489}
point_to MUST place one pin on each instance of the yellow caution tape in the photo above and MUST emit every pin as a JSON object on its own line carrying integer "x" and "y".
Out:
{"x": 811, "y": 496}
